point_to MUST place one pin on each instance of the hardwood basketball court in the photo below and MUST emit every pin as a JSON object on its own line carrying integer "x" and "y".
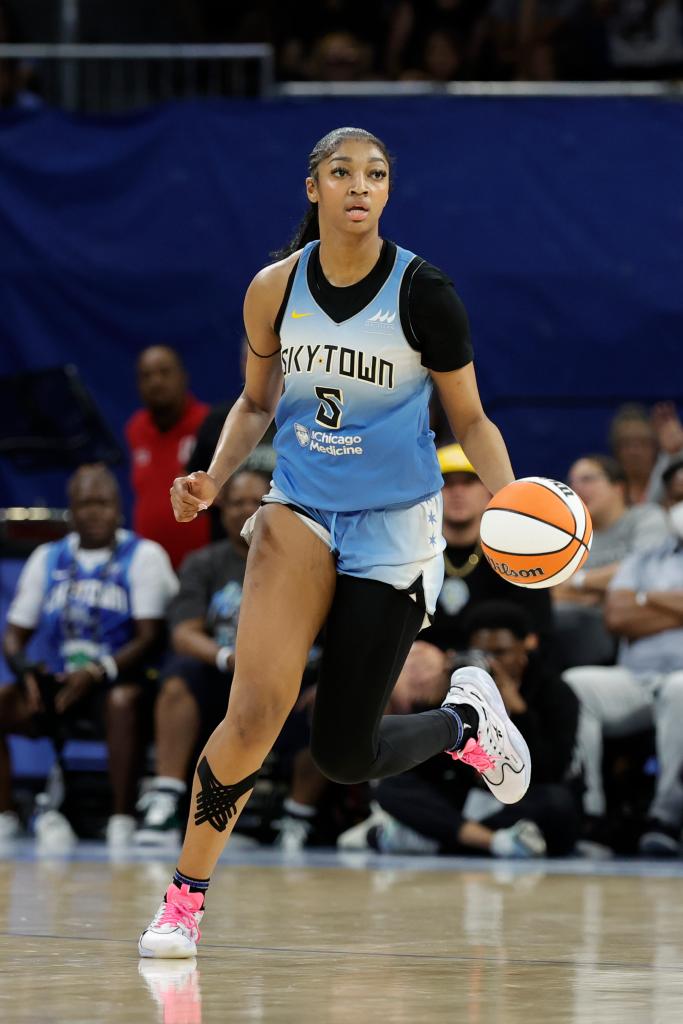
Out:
{"x": 354, "y": 938}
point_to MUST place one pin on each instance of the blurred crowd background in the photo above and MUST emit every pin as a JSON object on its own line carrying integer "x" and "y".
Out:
{"x": 127, "y": 242}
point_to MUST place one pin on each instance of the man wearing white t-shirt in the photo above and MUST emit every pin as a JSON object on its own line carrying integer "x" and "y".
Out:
{"x": 98, "y": 598}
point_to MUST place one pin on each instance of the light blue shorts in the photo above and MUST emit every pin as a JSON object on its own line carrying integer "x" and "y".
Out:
{"x": 398, "y": 546}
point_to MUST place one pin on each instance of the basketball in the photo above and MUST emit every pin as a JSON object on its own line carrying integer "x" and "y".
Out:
{"x": 536, "y": 532}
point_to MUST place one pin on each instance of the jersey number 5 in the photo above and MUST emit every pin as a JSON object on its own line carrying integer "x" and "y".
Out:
{"x": 329, "y": 412}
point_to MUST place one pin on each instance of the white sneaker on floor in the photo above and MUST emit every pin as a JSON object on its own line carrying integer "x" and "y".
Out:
{"x": 120, "y": 831}
{"x": 161, "y": 825}
{"x": 174, "y": 931}
{"x": 10, "y": 826}
{"x": 499, "y": 751}
{"x": 382, "y": 832}
{"x": 53, "y": 832}
{"x": 522, "y": 840}
{"x": 293, "y": 833}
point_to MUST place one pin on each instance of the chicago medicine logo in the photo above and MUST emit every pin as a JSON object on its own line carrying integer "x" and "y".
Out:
{"x": 303, "y": 434}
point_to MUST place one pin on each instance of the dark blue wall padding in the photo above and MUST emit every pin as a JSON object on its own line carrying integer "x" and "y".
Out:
{"x": 560, "y": 222}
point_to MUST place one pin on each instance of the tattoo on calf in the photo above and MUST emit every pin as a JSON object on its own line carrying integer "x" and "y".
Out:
{"x": 216, "y": 803}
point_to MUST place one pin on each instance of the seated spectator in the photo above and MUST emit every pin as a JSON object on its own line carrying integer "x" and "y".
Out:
{"x": 196, "y": 680}
{"x": 430, "y": 28}
{"x": 441, "y": 60}
{"x": 645, "y": 609}
{"x": 644, "y": 37}
{"x": 161, "y": 437}
{"x": 526, "y": 33}
{"x": 439, "y": 807}
{"x": 634, "y": 443}
{"x": 340, "y": 57}
{"x": 582, "y": 638}
{"x": 669, "y": 430}
{"x": 469, "y": 578}
{"x": 98, "y": 597}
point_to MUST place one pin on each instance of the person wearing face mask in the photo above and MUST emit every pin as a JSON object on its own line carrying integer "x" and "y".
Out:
{"x": 644, "y": 608}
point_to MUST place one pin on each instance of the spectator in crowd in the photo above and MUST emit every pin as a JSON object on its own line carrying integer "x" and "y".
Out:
{"x": 161, "y": 437}
{"x": 422, "y": 33}
{"x": 634, "y": 445}
{"x": 644, "y": 37}
{"x": 340, "y": 57}
{"x": 469, "y": 579}
{"x": 582, "y": 638}
{"x": 14, "y": 78}
{"x": 300, "y": 29}
{"x": 527, "y": 33}
{"x": 645, "y": 609}
{"x": 669, "y": 430}
{"x": 98, "y": 598}
{"x": 439, "y": 808}
{"x": 196, "y": 679}
{"x": 441, "y": 59}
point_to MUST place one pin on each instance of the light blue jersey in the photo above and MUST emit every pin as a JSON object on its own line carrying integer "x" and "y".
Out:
{"x": 353, "y": 422}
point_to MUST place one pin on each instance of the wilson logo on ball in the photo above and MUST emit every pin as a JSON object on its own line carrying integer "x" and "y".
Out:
{"x": 504, "y": 570}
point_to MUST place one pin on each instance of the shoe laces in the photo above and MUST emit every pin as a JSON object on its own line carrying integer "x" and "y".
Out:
{"x": 474, "y": 754}
{"x": 178, "y": 911}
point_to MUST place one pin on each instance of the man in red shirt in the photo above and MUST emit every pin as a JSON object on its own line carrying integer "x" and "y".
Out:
{"x": 161, "y": 438}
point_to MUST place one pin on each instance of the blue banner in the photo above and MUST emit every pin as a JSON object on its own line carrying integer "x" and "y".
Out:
{"x": 560, "y": 222}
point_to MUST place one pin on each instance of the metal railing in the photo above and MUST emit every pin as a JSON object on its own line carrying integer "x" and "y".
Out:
{"x": 117, "y": 78}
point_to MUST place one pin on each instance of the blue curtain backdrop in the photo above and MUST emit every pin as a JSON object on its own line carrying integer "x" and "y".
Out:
{"x": 560, "y": 222}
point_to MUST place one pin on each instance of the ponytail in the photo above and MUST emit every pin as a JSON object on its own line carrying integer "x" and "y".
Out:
{"x": 308, "y": 231}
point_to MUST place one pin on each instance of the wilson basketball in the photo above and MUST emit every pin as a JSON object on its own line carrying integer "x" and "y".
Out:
{"x": 536, "y": 532}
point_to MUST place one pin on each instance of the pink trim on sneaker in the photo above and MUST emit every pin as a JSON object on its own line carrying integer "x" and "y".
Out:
{"x": 181, "y": 906}
{"x": 474, "y": 754}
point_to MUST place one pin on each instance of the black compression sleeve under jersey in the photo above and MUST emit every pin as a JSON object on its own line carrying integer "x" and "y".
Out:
{"x": 434, "y": 319}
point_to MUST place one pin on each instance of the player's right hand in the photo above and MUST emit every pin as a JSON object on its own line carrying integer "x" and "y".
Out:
{"x": 191, "y": 495}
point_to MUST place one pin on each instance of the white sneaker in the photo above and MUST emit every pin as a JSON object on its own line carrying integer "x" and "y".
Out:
{"x": 363, "y": 836}
{"x": 161, "y": 825}
{"x": 10, "y": 826}
{"x": 53, "y": 832}
{"x": 293, "y": 833}
{"x": 382, "y": 832}
{"x": 174, "y": 930}
{"x": 522, "y": 840}
{"x": 120, "y": 831}
{"x": 499, "y": 753}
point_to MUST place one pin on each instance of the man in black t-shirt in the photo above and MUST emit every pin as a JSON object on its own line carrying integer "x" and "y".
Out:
{"x": 195, "y": 682}
{"x": 468, "y": 577}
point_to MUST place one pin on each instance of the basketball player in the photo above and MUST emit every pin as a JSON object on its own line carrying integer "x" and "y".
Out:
{"x": 350, "y": 533}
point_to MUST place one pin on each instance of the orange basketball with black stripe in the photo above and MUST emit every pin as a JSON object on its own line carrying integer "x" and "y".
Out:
{"x": 536, "y": 532}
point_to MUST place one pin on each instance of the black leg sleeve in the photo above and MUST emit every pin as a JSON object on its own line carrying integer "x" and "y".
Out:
{"x": 369, "y": 632}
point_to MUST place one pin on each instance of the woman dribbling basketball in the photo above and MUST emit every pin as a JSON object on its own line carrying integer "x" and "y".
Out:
{"x": 350, "y": 534}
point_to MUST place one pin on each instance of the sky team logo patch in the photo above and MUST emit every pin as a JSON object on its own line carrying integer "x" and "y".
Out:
{"x": 382, "y": 320}
{"x": 303, "y": 434}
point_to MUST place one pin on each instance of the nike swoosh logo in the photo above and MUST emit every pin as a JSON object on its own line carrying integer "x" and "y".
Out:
{"x": 298, "y": 316}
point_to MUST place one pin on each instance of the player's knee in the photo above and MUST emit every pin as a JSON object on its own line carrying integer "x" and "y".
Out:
{"x": 173, "y": 690}
{"x": 341, "y": 765}
{"x": 256, "y": 718}
{"x": 124, "y": 698}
